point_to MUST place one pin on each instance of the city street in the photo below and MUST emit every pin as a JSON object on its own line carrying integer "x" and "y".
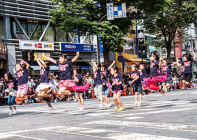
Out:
{"x": 170, "y": 117}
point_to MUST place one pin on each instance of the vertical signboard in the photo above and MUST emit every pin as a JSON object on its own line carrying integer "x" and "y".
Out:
{"x": 124, "y": 10}
{"x": 110, "y": 11}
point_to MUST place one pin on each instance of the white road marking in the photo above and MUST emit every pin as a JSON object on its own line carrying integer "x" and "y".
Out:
{"x": 4, "y": 136}
{"x": 178, "y": 127}
{"x": 109, "y": 134}
{"x": 155, "y": 112}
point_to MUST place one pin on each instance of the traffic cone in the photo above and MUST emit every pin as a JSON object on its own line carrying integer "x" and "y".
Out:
{"x": 132, "y": 91}
{"x": 110, "y": 94}
{"x": 92, "y": 93}
{"x": 125, "y": 92}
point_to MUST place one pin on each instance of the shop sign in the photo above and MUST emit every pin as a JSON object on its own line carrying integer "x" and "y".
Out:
{"x": 39, "y": 55}
{"x": 31, "y": 45}
{"x": 76, "y": 47}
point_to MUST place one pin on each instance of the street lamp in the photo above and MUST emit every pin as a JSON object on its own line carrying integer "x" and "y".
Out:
{"x": 141, "y": 41}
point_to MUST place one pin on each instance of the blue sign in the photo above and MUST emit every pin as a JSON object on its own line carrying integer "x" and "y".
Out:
{"x": 101, "y": 55}
{"x": 120, "y": 58}
{"x": 76, "y": 47}
{"x": 100, "y": 44}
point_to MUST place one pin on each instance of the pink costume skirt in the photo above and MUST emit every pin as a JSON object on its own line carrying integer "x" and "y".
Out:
{"x": 80, "y": 88}
{"x": 68, "y": 84}
{"x": 151, "y": 81}
{"x": 22, "y": 89}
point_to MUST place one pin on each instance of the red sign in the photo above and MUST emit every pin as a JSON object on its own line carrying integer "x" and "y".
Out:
{"x": 38, "y": 45}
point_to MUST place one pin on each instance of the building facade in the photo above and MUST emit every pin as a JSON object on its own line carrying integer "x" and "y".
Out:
{"x": 29, "y": 20}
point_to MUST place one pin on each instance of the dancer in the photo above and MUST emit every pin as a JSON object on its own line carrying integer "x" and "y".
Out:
{"x": 65, "y": 65}
{"x": 45, "y": 87}
{"x": 105, "y": 90}
{"x": 155, "y": 77}
{"x": 79, "y": 82}
{"x": 21, "y": 71}
{"x": 11, "y": 85}
{"x": 118, "y": 89}
{"x": 135, "y": 75}
{"x": 166, "y": 67}
{"x": 105, "y": 71}
{"x": 187, "y": 63}
{"x": 142, "y": 76}
{"x": 98, "y": 83}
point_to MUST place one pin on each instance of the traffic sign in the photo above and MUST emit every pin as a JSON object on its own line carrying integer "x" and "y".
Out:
{"x": 120, "y": 58}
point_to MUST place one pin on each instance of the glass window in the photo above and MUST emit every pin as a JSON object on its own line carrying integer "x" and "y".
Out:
{"x": 2, "y": 35}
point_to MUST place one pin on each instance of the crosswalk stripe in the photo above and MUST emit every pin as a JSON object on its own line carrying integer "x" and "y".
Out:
{"x": 178, "y": 127}
{"x": 155, "y": 112}
{"x": 108, "y": 134}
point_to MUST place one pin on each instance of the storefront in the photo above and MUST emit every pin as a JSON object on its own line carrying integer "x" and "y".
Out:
{"x": 53, "y": 50}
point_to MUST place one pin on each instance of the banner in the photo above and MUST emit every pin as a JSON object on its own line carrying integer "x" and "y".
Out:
{"x": 31, "y": 45}
{"x": 76, "y": 47}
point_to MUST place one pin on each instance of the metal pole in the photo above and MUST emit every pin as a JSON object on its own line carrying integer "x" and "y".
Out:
{"x": 21, "y": 28}
{"x": 137, "y": 50}
{"x": 98, "y": 51}
{"x": 34, "y": 31}
{"x": 40, "y": 39}
{"x": 142, "y": 52}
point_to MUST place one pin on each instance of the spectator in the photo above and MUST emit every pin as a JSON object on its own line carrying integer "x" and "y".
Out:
{"x": 2, "y": 92}
{"x": 56, "y": 86}
{"x": 51, "y": 80}
{"x": 31, "y": 95}
{"x": 30, "y": 83}
{"x": 36, "y": 83}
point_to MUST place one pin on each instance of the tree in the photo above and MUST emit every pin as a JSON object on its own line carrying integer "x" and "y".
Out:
{"x": 89, "y": 16}
{"x": 169, "y": 22}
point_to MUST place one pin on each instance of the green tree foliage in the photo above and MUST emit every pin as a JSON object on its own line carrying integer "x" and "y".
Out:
{"x": 169, "y": 23}
{"x": 87, "y": 17}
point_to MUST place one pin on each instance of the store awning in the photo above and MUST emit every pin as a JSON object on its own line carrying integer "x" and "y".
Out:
{"x": 136, "y": 60}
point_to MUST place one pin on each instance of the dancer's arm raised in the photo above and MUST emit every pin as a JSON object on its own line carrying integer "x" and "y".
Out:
{"x": 36, "y": 58}
{"x": 95, "y": 66}
{"x": 112, "y": 65}
{"x": 50, "y": 59}
{"x": 194, "y": 54}
{"x": 75, "y": 58}
{"x": 177, "y": 62}
{"x": 27, "y": 65}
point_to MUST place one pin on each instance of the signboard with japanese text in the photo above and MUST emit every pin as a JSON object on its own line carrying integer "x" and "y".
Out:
{"x": 110, "y": 11}
{"x": 32, "y": 45}
{"x": 76, "y": 47}
{"x": 39, "y": 55}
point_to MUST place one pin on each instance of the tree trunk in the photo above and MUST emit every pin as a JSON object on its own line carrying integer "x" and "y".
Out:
{"x": 168, "y": 48}
{"x": 106, "y": 55}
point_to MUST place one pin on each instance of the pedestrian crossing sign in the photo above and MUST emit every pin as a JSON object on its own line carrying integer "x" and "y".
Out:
{"x": 118, "y": 12}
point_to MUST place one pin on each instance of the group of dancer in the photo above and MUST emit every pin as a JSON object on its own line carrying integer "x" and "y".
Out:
{"x": 158, "y": 80}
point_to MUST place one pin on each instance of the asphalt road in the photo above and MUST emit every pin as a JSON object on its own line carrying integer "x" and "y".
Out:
{"x": 173, "y": 116}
